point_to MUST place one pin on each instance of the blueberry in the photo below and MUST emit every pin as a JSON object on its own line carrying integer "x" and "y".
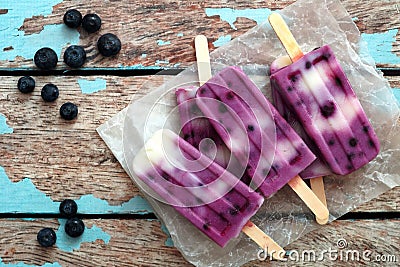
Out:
{"x": 68, "y": 111}
{"x": 353, "y": 142}
{"x": 328, "y": 109}
{"x": 308, "y": 64}
{"x": 230, "y": 95}
{"x": 250, "y": 128}
{"x": 74, "y": 227}
{"x": 26, "y": 84}
{"x": 338, "y": 81}
{"x": 73, "y": 18}
{"x": 91, "y": 23}
{"x": 109, "y": 45}
{"x": 371, "y": 143}
{"x": 46, "y": 237}
{"x": 45, "y": 58}
{"x": 233, "y": 211}
{"x": 49, "y": 92}
{"x": 68, "y": 208}
{"x": 75, "y": 56}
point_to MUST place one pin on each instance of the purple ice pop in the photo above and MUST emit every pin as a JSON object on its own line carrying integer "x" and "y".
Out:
{"x": 318, "y": 92}
{"x": 214, "y": 200}
{"x": 318, "y": 168}
{"x": 241, "y": 115}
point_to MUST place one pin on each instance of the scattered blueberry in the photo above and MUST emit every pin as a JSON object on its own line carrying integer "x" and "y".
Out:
{"x": 45, "y": 58}
{"x": 26, "y": 84}
{"x": 250, "y": 128}
{"x": 73, "y": 18}
{"x": 109, "y": 45}
{"x": 308, "y": 64}
{"x": 46, "y": 237}
{"x": 49, "y": 92}
{"x": 68, "y": 111}
{"x": 75, "y": 56}
{"x": 74, "y": 227}
{"x": 91, "y": 23}
{"x": 68, "y": 208}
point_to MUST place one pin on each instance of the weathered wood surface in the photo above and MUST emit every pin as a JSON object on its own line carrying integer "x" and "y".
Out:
{"x": 143, "y": 25}
{"x": 142, "y": 243}
{"x": 70, "y": 159}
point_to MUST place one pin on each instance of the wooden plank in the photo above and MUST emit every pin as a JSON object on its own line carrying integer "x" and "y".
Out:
{"x": 142, "y": 243}
{"x": 162, "y": 35}
{"x": 64, "y": 159}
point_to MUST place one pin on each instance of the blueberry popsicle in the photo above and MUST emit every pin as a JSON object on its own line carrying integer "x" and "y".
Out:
{"x": 318, "y": 168}
{"x": 211, "y": 198}
{"x": 318, "y": 92}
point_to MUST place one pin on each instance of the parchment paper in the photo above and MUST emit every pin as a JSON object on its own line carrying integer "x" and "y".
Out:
{"x": 283, "y": 216}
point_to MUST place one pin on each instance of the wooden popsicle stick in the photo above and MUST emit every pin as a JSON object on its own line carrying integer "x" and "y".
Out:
{"x": 317, "y": 186}
{"x": 203, "y": 59}
{"x": 294, "y": 51}
{"x": 250, "y": 229}
{"x": 263, "y": 240}
{"x": 285, "y": 36}
{"x": 310, "y": 199}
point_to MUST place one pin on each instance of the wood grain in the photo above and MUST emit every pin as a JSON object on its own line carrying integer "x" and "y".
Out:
{"x": 141, "y": 243}
{"x": 69, "y": 159}
{"x": 140, "y": 24}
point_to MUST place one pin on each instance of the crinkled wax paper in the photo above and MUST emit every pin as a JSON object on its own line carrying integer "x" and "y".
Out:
{"x": 283, "y": 216}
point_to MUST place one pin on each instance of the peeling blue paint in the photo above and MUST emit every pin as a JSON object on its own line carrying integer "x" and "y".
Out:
{"x": 396, "y": 92}
{"x": 161, "y": 42}
{"x": 53, "y": 36}
{"x": 21, "y": 264}
{"x": 222, "y": 40}
{"x": 168, "y": 242}
{"x": 136, "y": 67}
{"x": 159, "y": 62}
{"x": 69, "y": 244}
{"x": 4, "y": 128}
{"x": 144, "y": 55}
{"x": 26, "y": 198}
{"x": 230, "y": 15}
{"x": 380, "y": 46}
{"x": 179, "y": 34}
{"x": 92, "y": 86}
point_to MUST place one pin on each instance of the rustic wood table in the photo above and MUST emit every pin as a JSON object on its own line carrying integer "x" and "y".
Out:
{"x": 44, "y": 159}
